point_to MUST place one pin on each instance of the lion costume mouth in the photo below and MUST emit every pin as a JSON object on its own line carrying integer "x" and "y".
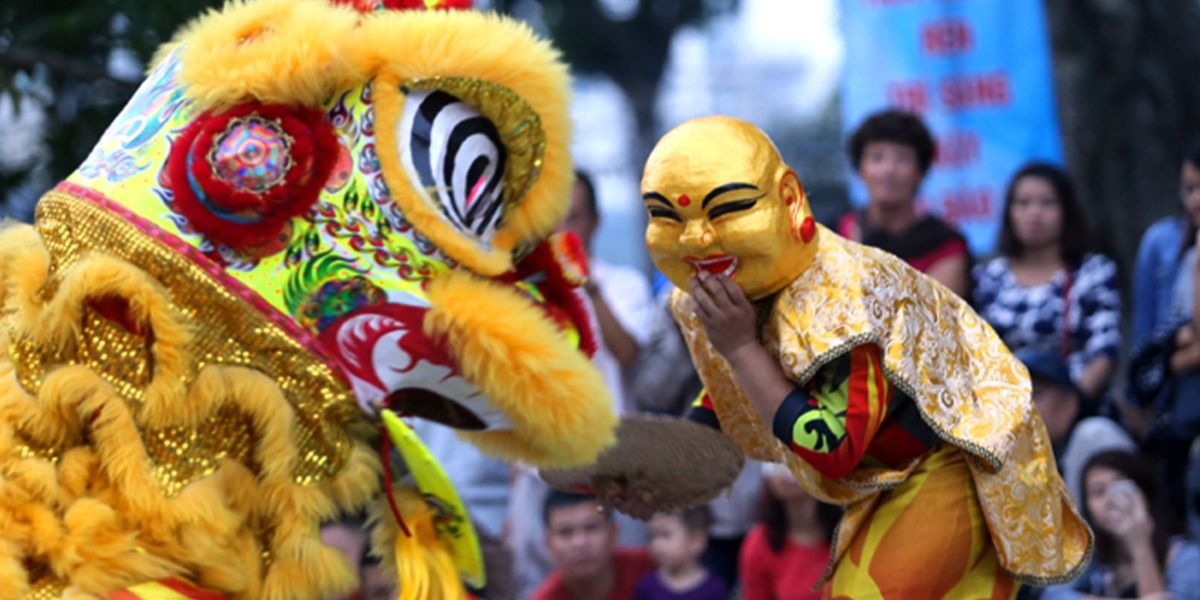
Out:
{"x": 429, "y": 406}
{"x": 392, "y": 363}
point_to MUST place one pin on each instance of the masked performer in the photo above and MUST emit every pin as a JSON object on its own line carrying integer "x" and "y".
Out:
{"x": 879, "y": 388}
{"x": 309, "y": 215}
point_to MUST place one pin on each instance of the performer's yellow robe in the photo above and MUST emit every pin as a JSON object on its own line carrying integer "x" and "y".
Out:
{"x": 995, "y": 466}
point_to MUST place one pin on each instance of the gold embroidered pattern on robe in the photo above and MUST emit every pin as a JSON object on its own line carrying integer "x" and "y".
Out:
{"x": 970, "y": 390}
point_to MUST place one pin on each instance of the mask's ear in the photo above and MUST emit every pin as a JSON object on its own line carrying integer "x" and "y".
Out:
{"x": 791, "y": 191}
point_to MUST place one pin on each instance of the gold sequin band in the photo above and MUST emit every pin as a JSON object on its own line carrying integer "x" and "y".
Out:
{"x": 76, "y": 224}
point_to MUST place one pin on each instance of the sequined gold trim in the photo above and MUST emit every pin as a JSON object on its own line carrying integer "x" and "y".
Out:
{"x": 233, "y": 334}
{"x": 46, "y": 588}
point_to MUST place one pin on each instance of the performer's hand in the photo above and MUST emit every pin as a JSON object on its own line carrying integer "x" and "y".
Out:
{"x": 725, "y": 312}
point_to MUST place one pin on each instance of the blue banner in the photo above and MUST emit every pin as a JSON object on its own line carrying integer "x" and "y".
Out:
{"x": 979, "y": 71}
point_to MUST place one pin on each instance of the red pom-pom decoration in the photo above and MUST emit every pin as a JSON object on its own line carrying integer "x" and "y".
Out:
{"x": 559, "y": 267}
{"x": 241, "y": 175}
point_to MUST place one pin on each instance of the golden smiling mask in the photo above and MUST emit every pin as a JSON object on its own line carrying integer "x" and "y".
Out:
{"x": 721, "y": 199}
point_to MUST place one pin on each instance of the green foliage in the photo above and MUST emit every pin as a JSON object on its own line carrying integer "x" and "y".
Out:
{"x": 631, "y": 49}
{"x": 62, "y": 47}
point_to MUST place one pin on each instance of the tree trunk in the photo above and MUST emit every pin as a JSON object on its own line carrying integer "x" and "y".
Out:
{"x": 1129, "y": 105}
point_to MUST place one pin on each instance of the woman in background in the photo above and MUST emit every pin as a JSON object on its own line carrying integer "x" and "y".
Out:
{"x": 1139, "y": 552}
{"x": 1045, "y": 290}
{"x": 1160, "y": 253}
{"x": 1165, "y": 370}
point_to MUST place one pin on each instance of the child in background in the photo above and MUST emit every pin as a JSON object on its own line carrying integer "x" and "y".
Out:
{"x": 676, "y": 543}
{"x": 784, "y": 556}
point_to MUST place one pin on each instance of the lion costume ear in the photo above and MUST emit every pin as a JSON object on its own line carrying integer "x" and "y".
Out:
{"x": 247, "y": 52}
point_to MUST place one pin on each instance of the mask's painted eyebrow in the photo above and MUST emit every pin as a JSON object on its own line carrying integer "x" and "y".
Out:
{"x": 657, "y": 197}
{"x": 729, "y": 187}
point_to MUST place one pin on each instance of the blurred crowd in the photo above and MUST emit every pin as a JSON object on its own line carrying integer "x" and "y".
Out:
{"x": 1122, "y": 409}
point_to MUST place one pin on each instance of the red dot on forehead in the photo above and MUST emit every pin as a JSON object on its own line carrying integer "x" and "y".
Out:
{"x": 684, "y": 200}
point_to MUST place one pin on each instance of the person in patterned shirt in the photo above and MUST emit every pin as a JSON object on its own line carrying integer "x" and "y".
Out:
{"x": 1045, "y": 290}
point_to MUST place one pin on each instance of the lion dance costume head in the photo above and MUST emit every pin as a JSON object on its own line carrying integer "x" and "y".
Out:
{"x": 311, "y": 214}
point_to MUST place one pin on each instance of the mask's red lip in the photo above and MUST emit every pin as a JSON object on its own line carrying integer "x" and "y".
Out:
{"x": 716, "y": 264}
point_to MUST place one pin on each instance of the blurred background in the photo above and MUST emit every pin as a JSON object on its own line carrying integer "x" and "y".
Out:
{"x": 1108, "y": 89}
{"x": 1123, "y": 89}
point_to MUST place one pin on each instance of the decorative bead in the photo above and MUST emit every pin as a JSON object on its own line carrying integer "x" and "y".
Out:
{"x": 808, "y": 229}
{"x": 252, "y": 155}
{"x": 239, "y": 176}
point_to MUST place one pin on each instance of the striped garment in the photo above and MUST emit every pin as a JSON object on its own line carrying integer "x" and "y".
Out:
{"x": 848, "y": 415}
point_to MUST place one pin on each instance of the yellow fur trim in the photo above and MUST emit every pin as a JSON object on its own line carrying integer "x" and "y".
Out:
{"x": 14, "y": 582}
{"x": 421, "y": 563}
{"x": 561, "y": 412}
{"x": 24, "y": 268}
{"x": 401, "y": 47}
{"x": 97, "y": 277}
{"x": 274, "y": 51}
{"x": 78, "y": 496}
{"x": 424, "y": 567}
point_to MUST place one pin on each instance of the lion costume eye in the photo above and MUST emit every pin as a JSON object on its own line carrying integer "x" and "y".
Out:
{"x": 461, "y": 157}
{"x": 455, "y": 159}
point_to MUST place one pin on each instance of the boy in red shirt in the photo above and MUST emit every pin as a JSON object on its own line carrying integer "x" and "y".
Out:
{"x": 581, "y": 537}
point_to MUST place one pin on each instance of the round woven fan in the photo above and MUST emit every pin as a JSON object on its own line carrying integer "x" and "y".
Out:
{"x": 677, "y": 463}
